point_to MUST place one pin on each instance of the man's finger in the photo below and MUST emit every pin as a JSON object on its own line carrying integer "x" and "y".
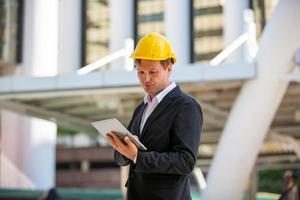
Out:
{"x": 110, "y": 138}
{"x": 113, "y": 136}
{"x": 120, "y": 145}
{"x": 111, "y": 141}
{"x": 129, "y": 142}
{"x": 116, "y": 141}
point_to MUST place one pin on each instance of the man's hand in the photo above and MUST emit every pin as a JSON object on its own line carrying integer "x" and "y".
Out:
{"x": 127, "y": 149}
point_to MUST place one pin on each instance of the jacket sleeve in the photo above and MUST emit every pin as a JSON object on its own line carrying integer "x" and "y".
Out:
{"x": 120, "y": 159}
{"x": 185, "y": 139}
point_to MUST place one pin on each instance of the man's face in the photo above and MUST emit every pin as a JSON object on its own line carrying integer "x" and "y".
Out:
{"x": 153, "y": 76}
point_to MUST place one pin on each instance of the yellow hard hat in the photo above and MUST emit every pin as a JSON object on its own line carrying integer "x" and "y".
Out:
{"x": 153, "y": 46}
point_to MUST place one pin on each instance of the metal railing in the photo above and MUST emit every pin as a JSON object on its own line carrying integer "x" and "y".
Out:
{"x": 248, "y": 38}
{"x": 125, "y": 52}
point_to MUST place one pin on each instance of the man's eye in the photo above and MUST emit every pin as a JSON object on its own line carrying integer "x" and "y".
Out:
{"x": 141, "y": 72}
{"x": 153, "y": 72}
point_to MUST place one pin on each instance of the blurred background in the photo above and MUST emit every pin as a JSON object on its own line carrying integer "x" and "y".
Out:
{"x": 64, "y": 64}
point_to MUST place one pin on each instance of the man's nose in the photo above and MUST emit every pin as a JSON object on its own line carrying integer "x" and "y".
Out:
{"x": 147, "y": 77}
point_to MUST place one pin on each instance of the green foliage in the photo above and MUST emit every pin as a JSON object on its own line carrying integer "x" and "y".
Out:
{"x": 64, "y": 131}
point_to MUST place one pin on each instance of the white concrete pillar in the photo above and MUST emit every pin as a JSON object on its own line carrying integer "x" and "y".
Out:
{"x": 69, "y": 40}
{"x": 40, "y": 50}
{"x": 177, "y": 28}
{"x": 27, "y": 152}
{"x": 12, "y": 168}
{"x": 234, "y": 25}
{"x": 39, "y": 148}
{"x": 40, "y": 53}
{"x": 121, "y": 28}
{"x": 256, "y": 105}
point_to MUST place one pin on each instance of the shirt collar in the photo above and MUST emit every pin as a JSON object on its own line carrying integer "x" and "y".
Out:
{"x": 160, "y": 95}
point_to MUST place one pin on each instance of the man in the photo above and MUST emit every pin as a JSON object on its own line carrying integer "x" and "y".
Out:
{"x": 168, "y": 122}
{"x": 290, "y": 189}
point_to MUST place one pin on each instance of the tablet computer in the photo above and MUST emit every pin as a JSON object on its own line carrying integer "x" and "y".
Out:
{"x": 113, "y": 125}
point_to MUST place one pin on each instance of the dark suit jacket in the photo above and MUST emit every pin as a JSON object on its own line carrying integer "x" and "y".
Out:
{"x": 171, "y": 135}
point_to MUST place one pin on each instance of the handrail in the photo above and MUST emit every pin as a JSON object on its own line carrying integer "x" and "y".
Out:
{"x": 230, "y": 49}
{"x": 125, "y": 52}
{"x": 248, "y": 38}
{"x": 101, "y": 62}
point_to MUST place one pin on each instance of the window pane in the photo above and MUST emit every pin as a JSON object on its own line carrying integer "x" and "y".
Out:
{"x": 208, "y": 29}
{"x": 8, "y": 31}
{"x": 263, "y": 10}
{"x": 97, "y": 30}
{"x": 149, "y": 17}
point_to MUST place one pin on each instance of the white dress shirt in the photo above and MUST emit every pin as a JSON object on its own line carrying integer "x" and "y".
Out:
{"x": 151, "y": 104}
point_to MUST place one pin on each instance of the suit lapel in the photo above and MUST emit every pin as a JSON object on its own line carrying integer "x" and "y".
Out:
{"x": 137, "y": 120}
{"x": 160, "y": 107}
{"x": 140, "y": 115}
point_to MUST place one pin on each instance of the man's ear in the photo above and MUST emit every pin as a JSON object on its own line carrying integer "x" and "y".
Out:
{"x": 170, "y": 68}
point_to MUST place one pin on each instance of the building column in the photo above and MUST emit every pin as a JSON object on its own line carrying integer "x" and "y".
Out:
{"x": 12, "y": 168}
{"x": 121, "y": 28}
{"x": 69, "y": 38}
{"x": 255, "y": 107}
{"x": 234, "y": 25}
{"x": 177, "y": 28}
{"x": 40, "y": 52}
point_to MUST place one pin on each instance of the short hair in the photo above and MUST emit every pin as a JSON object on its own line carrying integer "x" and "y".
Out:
{"x": 290, "y": 175}
{"x": 165, "y": 63}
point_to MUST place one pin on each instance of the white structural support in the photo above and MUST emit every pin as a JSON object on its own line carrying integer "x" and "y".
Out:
{"x": 39, "y": 152}
{"x": 69, "y": 36}
{"x": 256, "y": 105}
{"x": 121, "y": 28}
{"x": 40, "y": 50}
{"x": 32, "y": 149}
{"x": 39, "y": 143}
{"x": 14, "y": 86}
{"x": 234, "y": 25}
{"x": 177, "y": 27}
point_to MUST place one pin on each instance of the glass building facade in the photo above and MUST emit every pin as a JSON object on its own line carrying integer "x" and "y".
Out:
{"x": 10, "y": 31}
{"x": 263, "y": 10}
{"x": 96, "y": 35}
{"x": 149, "y": 17}
{"x": 207, "y": 29}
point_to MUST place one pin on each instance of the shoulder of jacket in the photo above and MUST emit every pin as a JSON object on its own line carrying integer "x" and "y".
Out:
{"x": 187, "y": 99}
